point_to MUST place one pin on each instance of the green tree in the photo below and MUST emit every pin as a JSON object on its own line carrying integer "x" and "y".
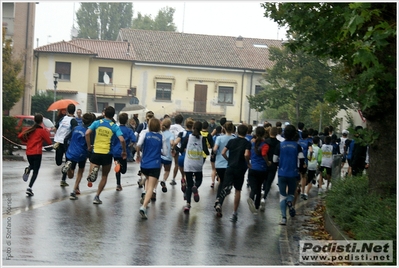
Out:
{"x": 40, "y": 103}
{"x": 13, "y": 83}
{"x": 297, "y": 82}
{"x": 361, "y": 36}
{"x": 162, "y": 22}
{"x": 143, "y": 22}
{"x": 103, "y": 20}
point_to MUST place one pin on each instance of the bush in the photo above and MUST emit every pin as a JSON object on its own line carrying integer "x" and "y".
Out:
{"x": 9, "y": 134}
{"x": 364, "y": 216}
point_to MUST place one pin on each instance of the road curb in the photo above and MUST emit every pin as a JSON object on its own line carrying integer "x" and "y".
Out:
{"x": 286, "y": 241}
{"x": 333, "y": 229}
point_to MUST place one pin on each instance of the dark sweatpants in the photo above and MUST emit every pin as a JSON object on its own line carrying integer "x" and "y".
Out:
{"x": 34, "y": 164}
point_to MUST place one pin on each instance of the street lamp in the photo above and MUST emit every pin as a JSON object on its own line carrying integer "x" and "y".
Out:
{"x": 55, "y": 75}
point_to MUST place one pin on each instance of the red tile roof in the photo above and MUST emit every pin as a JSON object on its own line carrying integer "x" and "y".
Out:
{"x": 174, "y": 48}
{"x": 65, "y": 47}
{"x": 198, "y": 49}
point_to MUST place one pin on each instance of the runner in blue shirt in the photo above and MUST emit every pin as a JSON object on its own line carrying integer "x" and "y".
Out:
{"x": 150, "y": 146}
{"x": 286, "y": 157}
{"x": 120, "y": 163}
{"x": 77, "y": 153}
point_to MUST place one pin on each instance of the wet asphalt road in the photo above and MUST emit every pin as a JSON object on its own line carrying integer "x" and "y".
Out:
{"x": 48, "y": 229}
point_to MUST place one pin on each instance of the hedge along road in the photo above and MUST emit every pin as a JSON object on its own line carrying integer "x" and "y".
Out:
{"x": 49, "y": 229}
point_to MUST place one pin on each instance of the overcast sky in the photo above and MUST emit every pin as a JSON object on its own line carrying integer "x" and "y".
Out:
{"x": 54, "y": 20}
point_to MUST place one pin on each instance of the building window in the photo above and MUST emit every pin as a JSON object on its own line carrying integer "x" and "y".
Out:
{"x": 164, "y": 91}
{"x": 258, "y": 89}
{"x": 101, "y": 106}
{"x": 225, "y": 95}
{"x": 63, "y": 69}
{"x": 105, "y": 75}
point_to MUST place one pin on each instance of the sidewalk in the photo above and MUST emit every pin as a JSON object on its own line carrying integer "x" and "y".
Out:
{"x": 300, "y": 227}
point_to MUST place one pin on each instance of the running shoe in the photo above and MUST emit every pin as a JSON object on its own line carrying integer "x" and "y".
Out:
{"x": 234, "y": 217}
{"x": 117, "y": 167}
{"x": 77, "y": 191}
{"x": 212, "y": 185}
{"x": 305, "y": 197}
{"x": 291, "y": 209}
{"x": 64, "y": 183}
{"x": 195, "y": 192}
{"x": 119, "y": 187}
{"x": 173, "y": 182}
{"x": 183, "y": 185}
{"x": 93, "y": 174}
{"x": 164, "y": 189}
{"x": 29, "y": 192}
{"x": 72, "y": 196}
{"x": 143, "y": 212}
{"x": 97, "y": 200}
{"x": 154, "y": 197}
{"x": 320, "y": 191}
{"x": 218, "y": 208}
{"x": 283, "y": 221}
{"x": 187, "y": 209}
{"x": 251, "y": 205}
{"x": 66, "y": 167}
{"x": 25, "y": 177}
{"x": 262, "y": 206}
{"x": 140, "y": 183}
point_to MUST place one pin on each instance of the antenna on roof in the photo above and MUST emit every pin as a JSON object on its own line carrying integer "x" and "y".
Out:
{"x": 184, "y": 12}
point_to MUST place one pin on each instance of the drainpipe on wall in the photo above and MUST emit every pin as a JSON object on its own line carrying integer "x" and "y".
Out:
{"x": 242, "y": 93}
{"x": 250, "y": 92}
{"x": 131, "y": 75}
{"x": 26, "y": 49}
{"x": 37, "y": 70}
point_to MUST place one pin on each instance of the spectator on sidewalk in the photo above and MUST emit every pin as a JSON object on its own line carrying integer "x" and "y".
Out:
{"x": 359, "y": 155}
{"x": 212, "y": 125}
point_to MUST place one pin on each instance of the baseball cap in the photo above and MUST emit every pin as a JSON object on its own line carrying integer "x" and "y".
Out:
{"x": 345, "y": 131}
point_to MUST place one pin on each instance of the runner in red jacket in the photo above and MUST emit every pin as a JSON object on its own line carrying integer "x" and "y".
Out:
{"x": 34, "y": 138}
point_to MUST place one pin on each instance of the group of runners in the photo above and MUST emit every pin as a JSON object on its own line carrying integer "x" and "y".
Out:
{"x": 237, "y": 154}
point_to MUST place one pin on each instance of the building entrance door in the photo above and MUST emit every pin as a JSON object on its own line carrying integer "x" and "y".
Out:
{"x": 200, "y": 96}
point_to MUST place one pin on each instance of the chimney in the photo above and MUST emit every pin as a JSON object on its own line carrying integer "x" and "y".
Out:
{"x": 239, "y": 42}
